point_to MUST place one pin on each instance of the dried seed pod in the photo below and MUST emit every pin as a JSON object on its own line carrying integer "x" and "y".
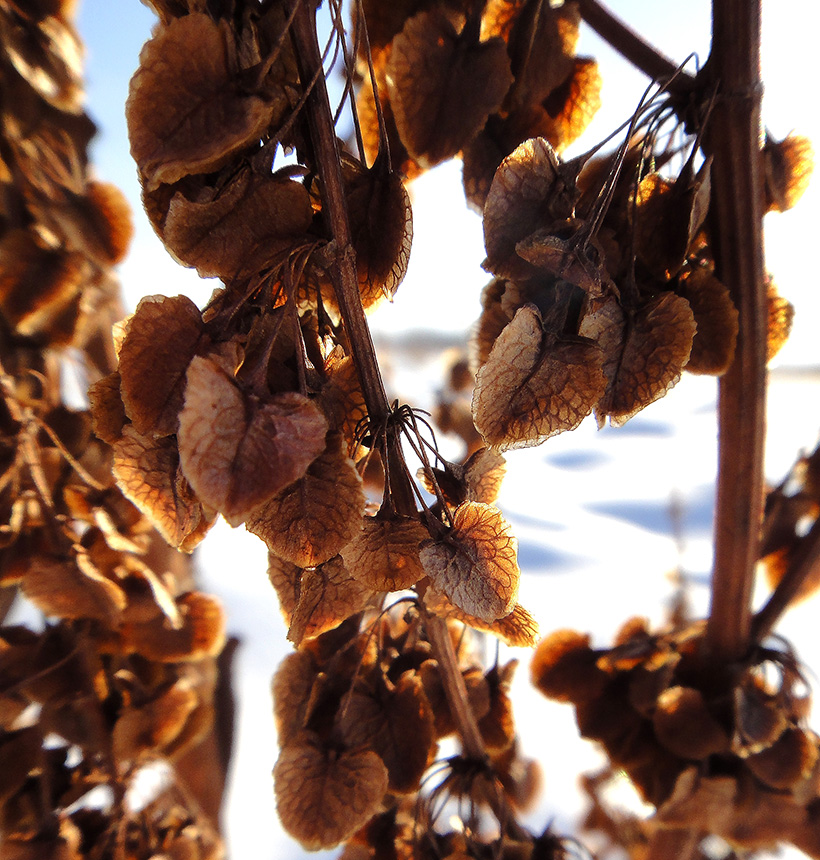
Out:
{"x": 397, "y": 723}
{"x": 328, "y": 594}
{"x": 148, "y": 473}
{"x": 787, "y": 169}
{"x": 312, "y": 519}
{"x": 475, "y": 562}
{"x": 187, "y": 70}
{"x": 642, "y": 359}
{"x": 323, "y": 795}
{"x": 788, "y": 761}
{"x": 238, "y": 450}
{"x": 684, "y": 725}
{"x": 716, "y": 321}
{"x": 384, "y": 555}
{"x": 565, "y": 668}
{"x": 443, "y": 84}
{"x": 535, "y": 384}
{"x": 781, "y": 316}
{"x": 162, "y": 338}
{"x": 532, "y": 189}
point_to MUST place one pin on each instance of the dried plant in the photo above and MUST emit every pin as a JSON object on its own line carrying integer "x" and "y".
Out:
{"x": 611, "y": 276}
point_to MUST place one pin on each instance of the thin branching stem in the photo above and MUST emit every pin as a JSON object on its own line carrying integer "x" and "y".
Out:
{"x": 633, "y": 47}
{"x": 801, "y": 565}
{"x": 346, "y": 285}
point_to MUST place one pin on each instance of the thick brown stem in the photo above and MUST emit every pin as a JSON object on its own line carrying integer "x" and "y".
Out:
{"x": 736, "y": 218}
{"x": 632, "y": 47}
{"x": 346, "y": 284}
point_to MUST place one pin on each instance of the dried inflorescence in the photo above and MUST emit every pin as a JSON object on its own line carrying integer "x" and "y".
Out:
{"x": 122, "y": 673}
{"x": 718, "y": 750}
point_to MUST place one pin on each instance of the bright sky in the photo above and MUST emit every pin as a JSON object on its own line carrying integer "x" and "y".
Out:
{"x": 442, "y": 292}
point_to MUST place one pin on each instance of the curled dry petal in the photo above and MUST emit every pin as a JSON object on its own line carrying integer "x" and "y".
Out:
{"x": 328, "y": 595}
{"x": 161, "y": 339}
{"x": 312, "y": 519}
{"x": 443, "y": 85}
{"x": 384, "y": 555}
{"x": 148, "y": 472}
{"x": 642, "y": 359}
{"x": 237, "y": 450}
{"x": 788, "y": 761}
{"x": 535, "y": 384}
{"x": 475, "y": 564}
{"x": 186, "y": 111}
{"x": 324, "y": 796}
{"x": 569, "y": 109}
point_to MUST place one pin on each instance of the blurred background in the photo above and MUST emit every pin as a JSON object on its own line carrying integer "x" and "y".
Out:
{"x": 610, "y": 522}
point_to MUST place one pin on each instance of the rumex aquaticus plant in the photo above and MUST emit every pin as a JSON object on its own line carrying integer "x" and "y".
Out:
{"x": 611, "y": 275}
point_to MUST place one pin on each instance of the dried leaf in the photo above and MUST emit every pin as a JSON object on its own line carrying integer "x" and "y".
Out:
{"x": 653, "y": 350}
{"x": 238, "y": 229}
{"x": 238, "y": 450}
{"x": 443, "y": 85}
{"x": 475, "y": 563}
{"x": 324, "y": 796}
{"x": 384, "y": 555}
{"x": 535, "y": 384}
{"x": 569, "y": 108}
{"x": 328, "y": 595}
{"x": 313, "y": 518}
{"x": 162, "y": 337}
{"x": 398, "y": 725}
{"x": 716, "y": 319}
{"x": 186, "y": 110}
{"x": 148, "y": 472}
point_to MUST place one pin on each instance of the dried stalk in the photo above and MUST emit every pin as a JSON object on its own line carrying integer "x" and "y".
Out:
{"x": 346, "y": 285}
{"x": 632, "y": 47}
{"x": 733, "y": 140}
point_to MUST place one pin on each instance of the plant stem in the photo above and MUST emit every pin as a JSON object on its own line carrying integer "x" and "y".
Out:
{"x": 346, "y": 285}
{"x": 801, "y": 565}
{"x": 632, "y": 47}
{"x": 733, "y": 139}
